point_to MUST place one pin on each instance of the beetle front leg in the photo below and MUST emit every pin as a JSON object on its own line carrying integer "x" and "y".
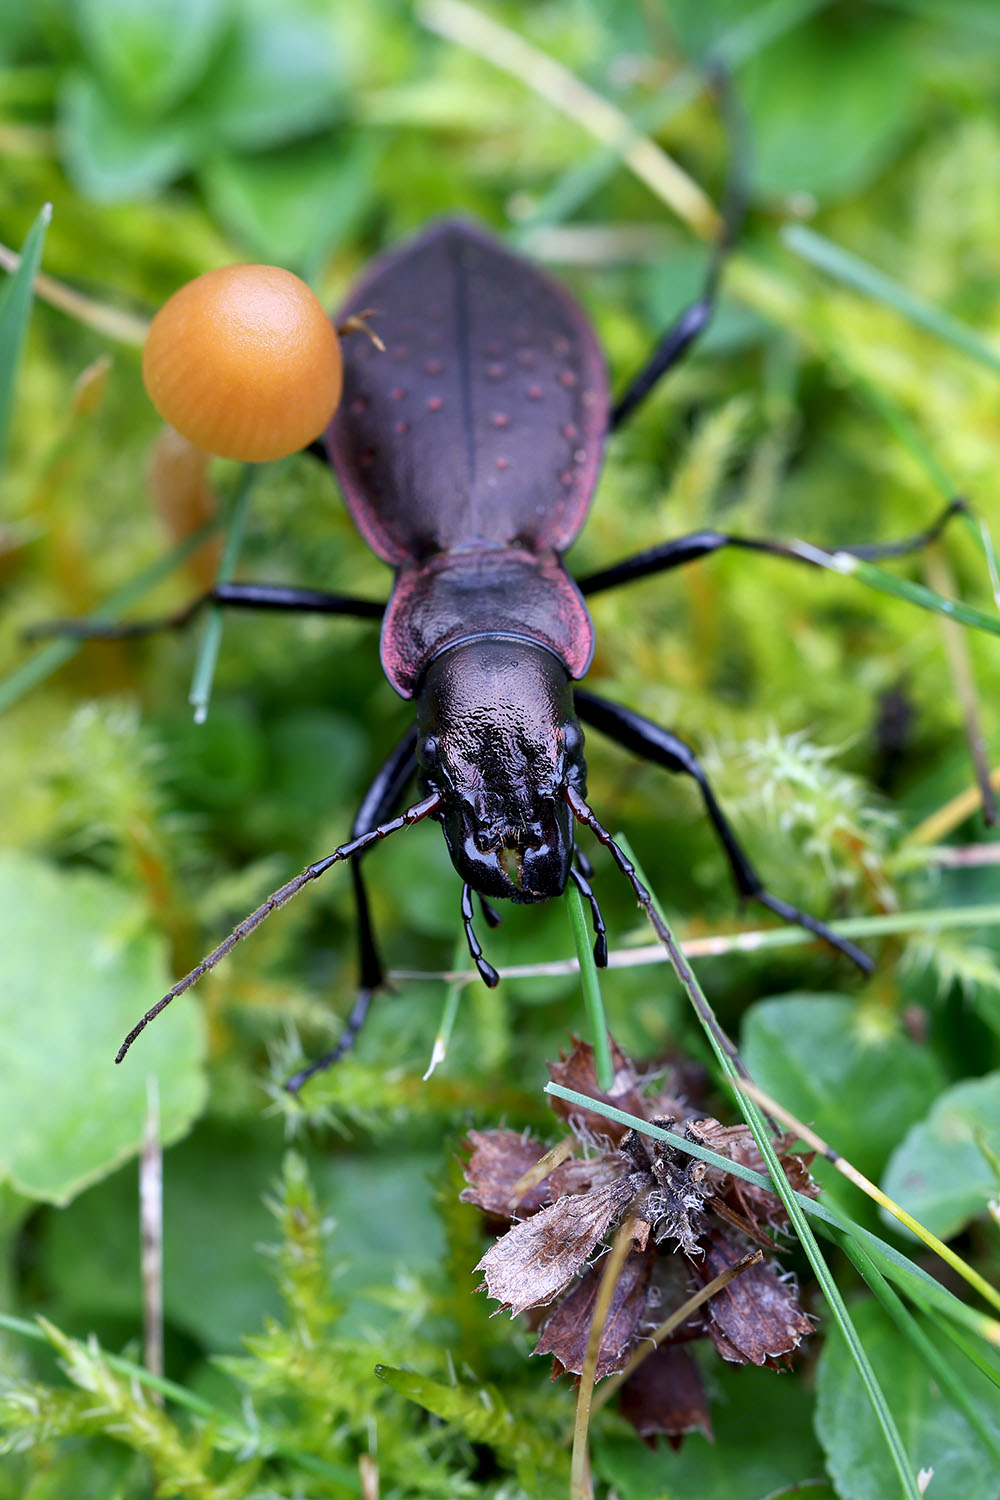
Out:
{"x": 648, "y": 740}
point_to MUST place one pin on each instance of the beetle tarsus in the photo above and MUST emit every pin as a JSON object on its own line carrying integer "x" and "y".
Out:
{"x": 345, "y": 1044}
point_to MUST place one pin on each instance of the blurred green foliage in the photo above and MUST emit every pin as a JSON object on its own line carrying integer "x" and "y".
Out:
{"x": 177, "y": 135}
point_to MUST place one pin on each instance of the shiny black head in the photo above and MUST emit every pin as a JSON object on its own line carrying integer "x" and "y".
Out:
{"x": 500, "y": 741}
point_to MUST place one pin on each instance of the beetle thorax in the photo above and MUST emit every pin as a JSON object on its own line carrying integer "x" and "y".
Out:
{"x": 500, "y": 742}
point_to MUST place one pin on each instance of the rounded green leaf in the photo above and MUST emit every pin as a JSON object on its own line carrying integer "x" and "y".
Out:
{"x": 153, "y": 53}
{"x": 849, "y": 1070}
{"x": 936, "y": 1436}
{"x": 280, "y": 75}
{"x": 78, "y": 969}
{"x": 294, "y": 205}
{"x": 829, "y": 106}
{"x": 945, "y": 1172}
{"x": 109, "y": 153}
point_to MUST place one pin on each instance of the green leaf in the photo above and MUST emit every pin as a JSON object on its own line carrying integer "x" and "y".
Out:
{"x": 745, "y": 1460}
{"x": 279, "y": 76}
{"x": 151, "y": 54}
{"x": 112, "y": 154}
{"x": 940, "y": 1173}
{"x": 77, "y": 969}
{"x": 814, "y": 133}
{"x": 296, "y": 205}
{"x": 16, "y": 296}
{"x": 937, "y": 1437}
{"x": 847, "y": 1069}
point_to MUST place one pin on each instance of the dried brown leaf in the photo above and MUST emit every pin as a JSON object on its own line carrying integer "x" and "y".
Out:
{"x": 566, "y": 1332}
{"x": 537, "y": 1259}
{"x": 499, "y": 1158}
{"x": 666, "y": 1397}
{"x": 756, "y": 1318}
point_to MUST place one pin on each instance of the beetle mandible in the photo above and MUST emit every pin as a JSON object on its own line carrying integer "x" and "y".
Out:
{"x": 467, "y": 451}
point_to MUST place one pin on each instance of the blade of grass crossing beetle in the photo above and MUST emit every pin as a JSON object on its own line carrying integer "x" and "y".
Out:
{"x": 52, "y": 656}
{"x": 800, "y": 1224}
{"x": 211, "y": 639}
{"x": 591, "y": 986}
{"x": 852, "y": 271}
{"x": 16, "y": 297}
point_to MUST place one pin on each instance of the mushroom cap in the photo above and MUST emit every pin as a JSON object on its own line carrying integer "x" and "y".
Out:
{"x": 244, "y": 362}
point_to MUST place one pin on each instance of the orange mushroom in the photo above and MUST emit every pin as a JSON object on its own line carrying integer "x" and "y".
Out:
{"x": 245, "y": 363}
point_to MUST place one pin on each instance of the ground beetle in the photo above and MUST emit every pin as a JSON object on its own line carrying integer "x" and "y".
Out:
{"x": 467, "y": 451}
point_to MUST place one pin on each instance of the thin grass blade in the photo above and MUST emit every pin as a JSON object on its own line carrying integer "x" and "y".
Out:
{"x": 850, "y": 270}
{"x": 925, "y": 1347}
{"x": 208, "y": 652}
{"x": 16, "y": 298}
{"x": 591, "y": 986}
{"x": 52, "y": 656}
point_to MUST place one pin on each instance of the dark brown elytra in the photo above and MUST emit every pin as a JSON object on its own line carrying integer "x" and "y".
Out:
{"x": 467, "y": 451}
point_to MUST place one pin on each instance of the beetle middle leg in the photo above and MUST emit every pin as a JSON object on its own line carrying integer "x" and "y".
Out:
{"x": 377, "y": 804}
{"x": 651, "y": 742}
{"x": 267, "y": 596}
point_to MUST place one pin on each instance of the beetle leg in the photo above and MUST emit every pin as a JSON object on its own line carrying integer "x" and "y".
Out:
{"x": 274, "y": 596}
{"x": 377, "y": 804}
{"x": 487, "y": 973}
{"x": 648, "y": 740}
{"x": 600, "y": 932}
{"x": 682, "y": 550}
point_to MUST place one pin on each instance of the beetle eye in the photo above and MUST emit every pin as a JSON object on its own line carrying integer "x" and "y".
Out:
{"x": 572, "y": 739}
{"x": 427, "y": 752}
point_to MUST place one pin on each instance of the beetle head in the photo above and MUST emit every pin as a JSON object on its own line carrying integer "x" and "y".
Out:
{"x": 499, "y": 740}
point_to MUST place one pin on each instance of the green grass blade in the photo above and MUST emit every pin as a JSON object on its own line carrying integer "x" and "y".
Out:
{"x": 882, "y": 582}
{"x": 592, "y": 999}
{"x": 208, "y": 651}
{"x": 850, "y": 270}
{"x": 16, "y": 297}
{"x": 449, "y": 1014}
{"x": 736, "y": 46}
{"x": 52, "y": 656}
{"x": 925, "y": 1347}
{"x": 797, "y": 1218}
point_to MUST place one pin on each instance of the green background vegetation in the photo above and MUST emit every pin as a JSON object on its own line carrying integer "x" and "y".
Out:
{"x": 174, "y": 136}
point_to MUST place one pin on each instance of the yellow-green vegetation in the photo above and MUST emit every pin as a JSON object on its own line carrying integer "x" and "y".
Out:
{"x": 848, "y": 388}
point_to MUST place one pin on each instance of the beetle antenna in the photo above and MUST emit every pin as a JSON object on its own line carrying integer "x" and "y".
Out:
{"x": 413, "y": 814}
{"x": 584, "y": 814}
{"x": 579, "y": 877}
{"x": 487, "y": 973}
